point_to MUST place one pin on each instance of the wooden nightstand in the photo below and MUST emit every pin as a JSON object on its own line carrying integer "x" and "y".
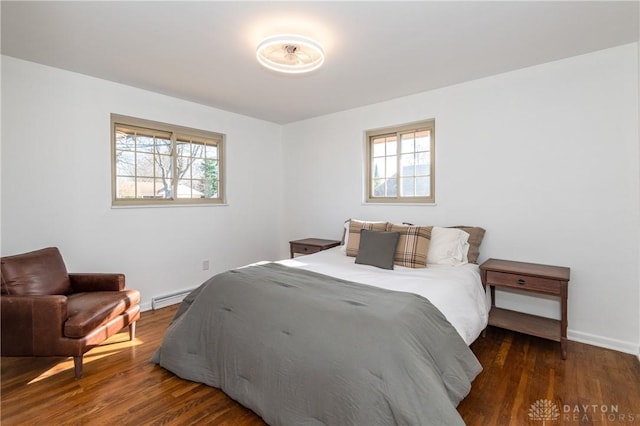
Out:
{"x": 544, "y": 279}
{"x": 311, "y": 245}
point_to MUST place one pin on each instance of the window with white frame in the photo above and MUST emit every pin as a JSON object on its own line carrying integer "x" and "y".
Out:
{"x": 159, "y": 163}
{"x": 400, "y": 164}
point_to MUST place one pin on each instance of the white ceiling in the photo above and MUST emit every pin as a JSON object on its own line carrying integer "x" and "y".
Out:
{"x": 375, "y": 51}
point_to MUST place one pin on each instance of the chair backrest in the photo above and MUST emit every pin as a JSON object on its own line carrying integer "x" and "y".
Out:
{"x": 39, "y": 272}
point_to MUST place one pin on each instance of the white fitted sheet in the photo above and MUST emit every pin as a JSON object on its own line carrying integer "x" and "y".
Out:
{"x": 455, "y": 290}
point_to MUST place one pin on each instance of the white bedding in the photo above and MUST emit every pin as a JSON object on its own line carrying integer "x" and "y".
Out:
{"x": 455, "y": 290}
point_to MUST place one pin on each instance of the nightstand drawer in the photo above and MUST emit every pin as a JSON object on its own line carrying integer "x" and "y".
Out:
{"x": 305, "y": 249}
{"x": 311, "y": 245}
{"x": 524, "y": 282}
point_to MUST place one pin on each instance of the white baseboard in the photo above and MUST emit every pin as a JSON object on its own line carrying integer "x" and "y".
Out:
{"x": 604, "y": 342}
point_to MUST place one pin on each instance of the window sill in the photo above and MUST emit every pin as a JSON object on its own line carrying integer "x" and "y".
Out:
{"x": 398, "y": 204}
{"x": 163, "y": 206}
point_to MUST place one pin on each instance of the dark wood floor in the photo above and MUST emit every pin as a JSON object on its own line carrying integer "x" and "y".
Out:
{"x": 522, "y": 377}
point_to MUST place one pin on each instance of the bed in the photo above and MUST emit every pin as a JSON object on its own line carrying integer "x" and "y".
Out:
{"x": 323, "y": 340}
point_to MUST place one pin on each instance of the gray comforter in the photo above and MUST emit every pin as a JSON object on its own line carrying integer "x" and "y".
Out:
{"x": 302, "y": 348}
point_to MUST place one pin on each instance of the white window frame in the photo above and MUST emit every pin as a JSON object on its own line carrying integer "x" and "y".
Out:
{"x": 376, "y": 134}
{"x": 175, "y": 134}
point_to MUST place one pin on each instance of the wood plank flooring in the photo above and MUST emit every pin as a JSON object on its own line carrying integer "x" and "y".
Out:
{"x": 523, "y": 376}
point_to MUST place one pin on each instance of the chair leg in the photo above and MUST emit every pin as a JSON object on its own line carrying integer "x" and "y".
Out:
{"x": 132, "y": 330}
{"x": 77, "y": 366}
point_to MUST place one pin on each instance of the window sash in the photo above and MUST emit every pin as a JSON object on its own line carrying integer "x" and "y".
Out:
{"x": 400, "y": 164}
{"x": 159, "y": 163}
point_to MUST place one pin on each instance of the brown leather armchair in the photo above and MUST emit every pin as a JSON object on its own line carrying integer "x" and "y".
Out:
{"x": 46, "y": 311}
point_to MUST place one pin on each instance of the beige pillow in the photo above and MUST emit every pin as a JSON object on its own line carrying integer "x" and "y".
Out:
{"x": 413, "y": 245}
{"x": 355, "y": 226}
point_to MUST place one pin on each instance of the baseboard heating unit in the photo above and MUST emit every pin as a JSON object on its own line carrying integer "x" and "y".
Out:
{"x": 169, "y": 299}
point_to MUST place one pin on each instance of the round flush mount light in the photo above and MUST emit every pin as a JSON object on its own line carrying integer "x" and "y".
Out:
{"x": 291, "y": 54}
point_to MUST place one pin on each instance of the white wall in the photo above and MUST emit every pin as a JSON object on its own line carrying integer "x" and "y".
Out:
{"x": 56, "y": 187}
{"x": 546, "y": 159}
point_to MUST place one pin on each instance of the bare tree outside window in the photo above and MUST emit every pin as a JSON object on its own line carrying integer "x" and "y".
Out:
{"x": 164, "y": 164}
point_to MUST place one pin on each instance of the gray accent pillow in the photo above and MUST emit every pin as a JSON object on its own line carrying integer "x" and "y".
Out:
{"x": 377, "y": 248}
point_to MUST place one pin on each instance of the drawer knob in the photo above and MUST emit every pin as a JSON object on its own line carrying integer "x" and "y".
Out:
{"x": 521, "y": 281}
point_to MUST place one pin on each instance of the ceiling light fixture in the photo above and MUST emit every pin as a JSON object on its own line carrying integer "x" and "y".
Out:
{"x": 291, "y": 54}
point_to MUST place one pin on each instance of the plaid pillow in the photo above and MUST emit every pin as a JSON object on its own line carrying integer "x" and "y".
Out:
{"x": 355, "y": 226}
{"x": 413, "y": 245}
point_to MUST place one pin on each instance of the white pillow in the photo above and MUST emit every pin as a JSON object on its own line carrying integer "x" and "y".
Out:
{"x": 449, "y": 246}
{"x": 345, "y": 231}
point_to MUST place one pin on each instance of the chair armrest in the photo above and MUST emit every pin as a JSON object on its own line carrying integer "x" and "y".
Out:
{"x": 81, "y": 283}
{"x": 31, "y": 325}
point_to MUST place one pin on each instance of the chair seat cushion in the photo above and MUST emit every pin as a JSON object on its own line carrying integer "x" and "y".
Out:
{"x": 88, "y": 311}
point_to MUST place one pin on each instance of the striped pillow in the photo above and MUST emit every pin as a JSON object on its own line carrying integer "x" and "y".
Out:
{"x": 355, "y": 226}
{"x": 413, "y": 245}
